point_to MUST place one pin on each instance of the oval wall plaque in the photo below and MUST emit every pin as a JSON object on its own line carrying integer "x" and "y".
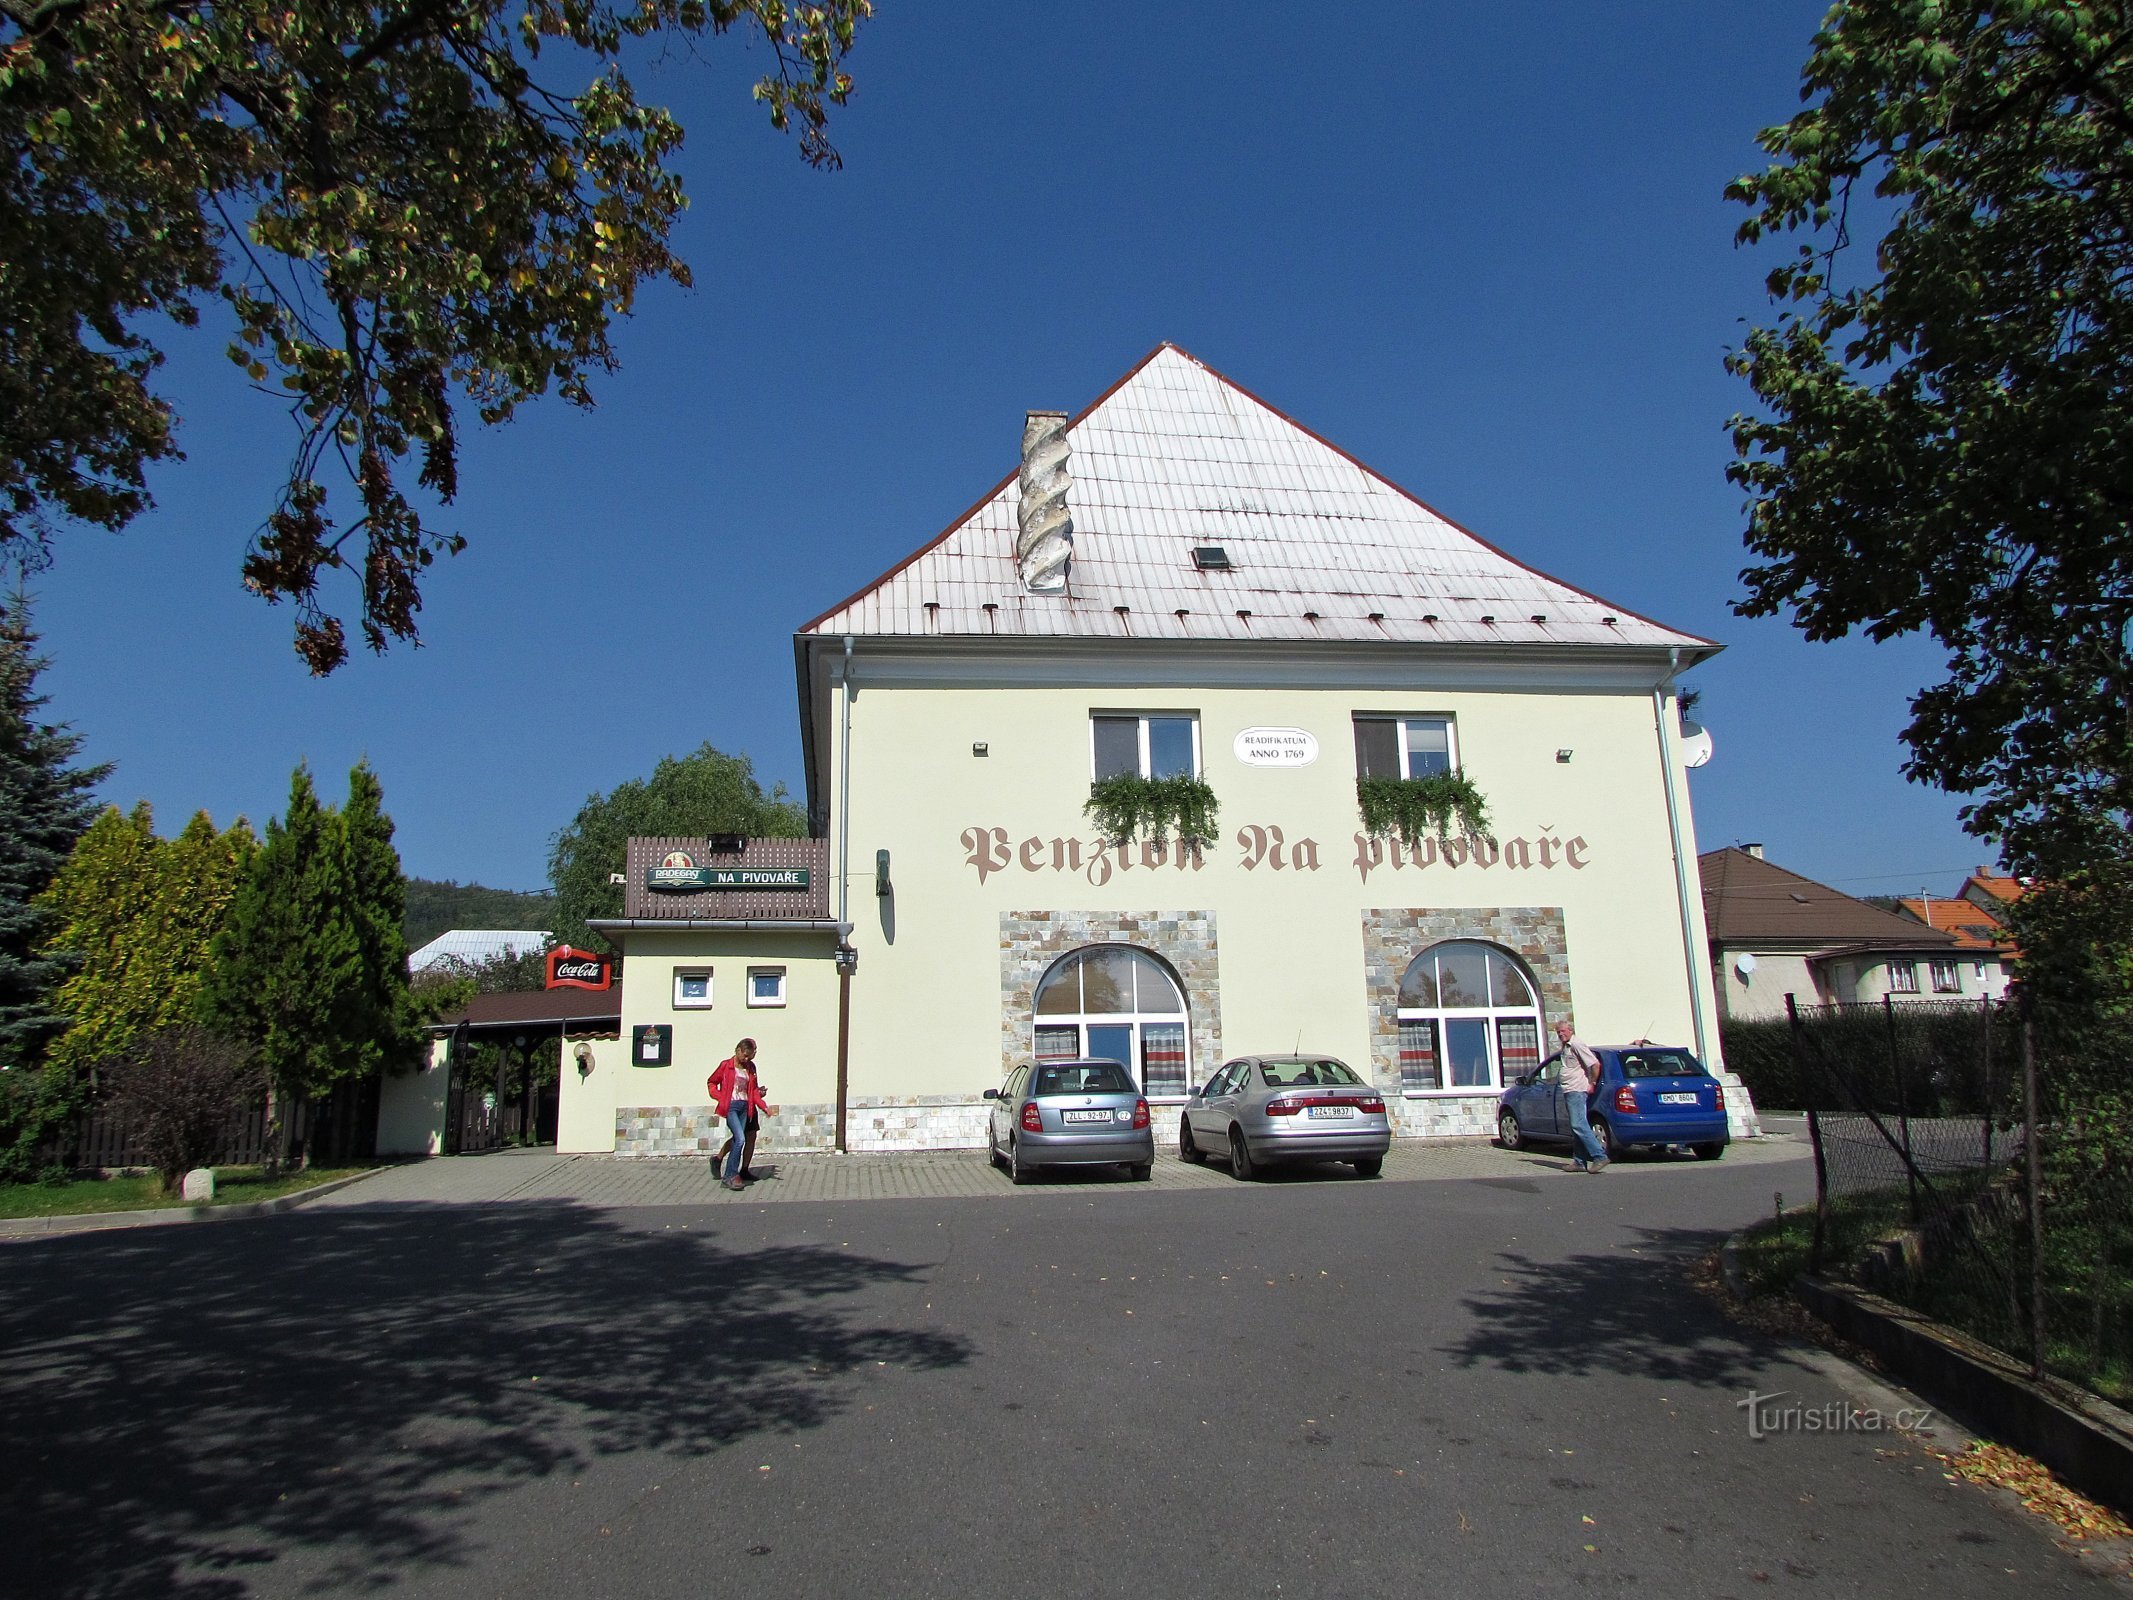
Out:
{"x": 1276, "y": 747}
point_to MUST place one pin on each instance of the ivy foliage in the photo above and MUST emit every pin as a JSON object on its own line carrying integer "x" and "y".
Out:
{"x": 1938, "y": 442}
{"x": 1127, "y": 806}
{"x": 401, "y": 208}
{"x": 1412, "y": 809}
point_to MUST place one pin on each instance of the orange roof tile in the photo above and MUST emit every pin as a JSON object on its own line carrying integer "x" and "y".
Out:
{"x": 1973, "y": 926}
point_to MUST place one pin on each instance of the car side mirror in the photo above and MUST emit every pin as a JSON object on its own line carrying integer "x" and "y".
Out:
{"x": 991, "y": 1094}
{"x": 1194, "y": 1092}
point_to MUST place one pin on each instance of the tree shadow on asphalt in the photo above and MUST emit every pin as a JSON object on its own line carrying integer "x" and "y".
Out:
{"x": 1630, "y": 1309}
{"x": 178, "y": 1405}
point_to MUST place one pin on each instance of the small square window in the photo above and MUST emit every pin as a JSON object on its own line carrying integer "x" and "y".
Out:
{"x": 1404, "y": 747}
{"x": 692, "y": 988}
{"x": 766, "y": 986}
{"x": 1158, "y": 745}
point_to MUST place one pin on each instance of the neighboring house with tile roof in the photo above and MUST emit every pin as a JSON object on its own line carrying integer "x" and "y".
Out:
{"x": 1181, "y": 581}
{"x": 1773, "y": 933}
{"x": 1991, "y": 891}
{"x": 1985, "y": 953}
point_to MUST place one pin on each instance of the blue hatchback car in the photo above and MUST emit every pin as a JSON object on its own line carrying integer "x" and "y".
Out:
{"x": 1649, "y": 1095}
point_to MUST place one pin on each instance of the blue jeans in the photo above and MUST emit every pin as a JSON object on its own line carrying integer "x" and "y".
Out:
{"x": 737, "y": 1130}
{"x": 1584, "y": 1143}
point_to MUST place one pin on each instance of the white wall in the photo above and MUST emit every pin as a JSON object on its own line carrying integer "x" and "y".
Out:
{"x": 411, "y": 1108}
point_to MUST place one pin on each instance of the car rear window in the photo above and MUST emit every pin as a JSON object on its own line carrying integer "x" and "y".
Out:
{"x": 1306, "y": 1075}
{"x": 1089, "y": 1077}
{"x": 1661, "y": 1064}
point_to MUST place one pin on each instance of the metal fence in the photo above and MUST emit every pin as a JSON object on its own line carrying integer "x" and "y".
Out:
{"x": 1968, "y": 1164}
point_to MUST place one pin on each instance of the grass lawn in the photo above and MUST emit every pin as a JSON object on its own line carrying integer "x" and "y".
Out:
{"x": 81, "y": 1196}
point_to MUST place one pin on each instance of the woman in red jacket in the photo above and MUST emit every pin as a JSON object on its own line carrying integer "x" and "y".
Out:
{"x": 736, "y": 1093}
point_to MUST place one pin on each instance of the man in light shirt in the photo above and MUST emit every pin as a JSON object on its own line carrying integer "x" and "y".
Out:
{"x": 1581, "y": 1076}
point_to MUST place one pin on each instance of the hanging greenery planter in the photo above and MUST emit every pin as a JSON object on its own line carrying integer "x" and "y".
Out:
{"x": 1441, "y": 804}
{"x": 1128, "y": 806}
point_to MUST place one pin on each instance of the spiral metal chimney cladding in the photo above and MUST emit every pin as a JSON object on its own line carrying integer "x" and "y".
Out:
{"x": 1044, "y": 548}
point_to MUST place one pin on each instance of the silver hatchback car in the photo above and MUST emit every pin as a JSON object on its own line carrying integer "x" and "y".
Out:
{"x": 1080, "y": 1113}
{"x": 1264, "y": 1109}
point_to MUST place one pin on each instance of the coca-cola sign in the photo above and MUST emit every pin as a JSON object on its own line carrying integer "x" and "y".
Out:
{"x": 577, "y": 969}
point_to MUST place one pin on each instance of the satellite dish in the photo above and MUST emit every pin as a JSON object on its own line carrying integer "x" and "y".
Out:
{"x": 1744, "y": 964}
{"x": 1695, "y": 744}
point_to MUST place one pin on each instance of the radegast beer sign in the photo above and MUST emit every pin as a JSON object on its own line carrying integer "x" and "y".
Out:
{"x": 678, "y": 873}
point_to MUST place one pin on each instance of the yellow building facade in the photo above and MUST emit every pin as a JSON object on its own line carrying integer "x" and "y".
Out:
{"x": 1181, "y": 581}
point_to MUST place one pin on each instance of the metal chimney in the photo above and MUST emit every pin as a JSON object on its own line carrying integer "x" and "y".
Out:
{"x": 1044, "y": 549}
{"x": 1755, "y": 850}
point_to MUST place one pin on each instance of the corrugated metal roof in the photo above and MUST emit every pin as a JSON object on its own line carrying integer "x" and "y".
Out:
{"x": 1747, "y": 899}
{"x": 1320, "y": 547}
{"x": 476, "y": 945}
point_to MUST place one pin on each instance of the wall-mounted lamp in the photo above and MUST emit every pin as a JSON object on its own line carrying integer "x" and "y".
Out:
{"x": 847, "y": 960}
{"x": 881, "y": 872}
{"x": 980, "y": 748}
{"x": 1563, "y": 756}
{"x": 584, "y": 1054}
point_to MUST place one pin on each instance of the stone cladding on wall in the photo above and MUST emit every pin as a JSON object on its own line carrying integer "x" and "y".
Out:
{"x": 1030, "y": 941}
{"x": 1392, "y": 937}
{"x": 876, "y": 1123}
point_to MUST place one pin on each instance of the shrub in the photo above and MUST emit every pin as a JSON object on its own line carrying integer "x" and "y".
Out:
{"x": 177, "y": 1089}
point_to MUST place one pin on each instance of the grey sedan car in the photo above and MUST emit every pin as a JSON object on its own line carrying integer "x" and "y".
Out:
{"x": 1264, "y": 1109}
{"x": 1081, "y": 1113}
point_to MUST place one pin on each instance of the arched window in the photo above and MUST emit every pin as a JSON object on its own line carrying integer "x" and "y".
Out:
{"x": 1115, "y": 1002}
{"x": 1469, "y": 1018}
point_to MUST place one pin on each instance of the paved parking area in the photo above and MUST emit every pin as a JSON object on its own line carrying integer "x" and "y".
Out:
{"x": 507, "y": 1176}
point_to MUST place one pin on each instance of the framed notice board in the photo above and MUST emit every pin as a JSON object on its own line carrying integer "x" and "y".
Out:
{"x": 652, "y": 1045}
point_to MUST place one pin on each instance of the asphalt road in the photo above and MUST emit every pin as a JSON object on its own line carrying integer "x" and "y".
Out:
{"x": 1500, "y": 1386}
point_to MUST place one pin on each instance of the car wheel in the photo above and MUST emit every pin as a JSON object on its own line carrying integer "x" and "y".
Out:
{"x": 1711, "y": 1151}
{"x": 1018, "y": 1170}
{"x": 1188, "y": 1147}
{"x": 1240, "y": 1157}
{"x": 1610, "y": 1147}
{"x": 1508, "y": 1133}
{"x": 1140, "y": 1171}
{"x": 1370, "y": 1166}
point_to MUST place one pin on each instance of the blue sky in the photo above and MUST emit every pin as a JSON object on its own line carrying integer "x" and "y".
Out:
{"x": 1482, "y": 248}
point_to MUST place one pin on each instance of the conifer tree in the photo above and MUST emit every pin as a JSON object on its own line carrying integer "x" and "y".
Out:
{"x": 137, "y": 917}
{"x": 288, "y": 964}
{"x": 44, "y": 808}
{"x": 383, "y": 1015}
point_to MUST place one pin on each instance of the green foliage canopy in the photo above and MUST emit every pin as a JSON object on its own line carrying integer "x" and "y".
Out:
{"x": 397, "y": 214}
{"x": 1940, "y": 437}
{"x": 137, "y": 916}
{"x": 436, "y": 906}
{"x": 703, "y": 792}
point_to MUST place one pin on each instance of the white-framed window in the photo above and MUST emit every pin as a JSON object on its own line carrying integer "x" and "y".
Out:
{"x": 1469, "y": 1019}
{"x": 1113, "y": 1002}
{"x": 1947, "y": 977}
{"x": 1388, "y": 746}
{"x": 766, "y": 986}
{"x": 1903, "y": 977}
{"x": 1150, "y": 744}
{"x": 692, "y": 988}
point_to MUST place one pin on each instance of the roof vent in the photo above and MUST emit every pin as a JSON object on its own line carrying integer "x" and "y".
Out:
{"x": 1310, "y": 616}
{"x": 1182, "y": 613}
{"x": 1540, "y": 617}
{"x": 1244, "y": 616}
{"x": 1427, "y": 616}
{"x": 1212, "y": 558}
{"x": 1610, "y": 621}
{"x": 1122, "y": 610}
{"x": 1489, "y": 619}
{"x": 1044, "y": 547}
